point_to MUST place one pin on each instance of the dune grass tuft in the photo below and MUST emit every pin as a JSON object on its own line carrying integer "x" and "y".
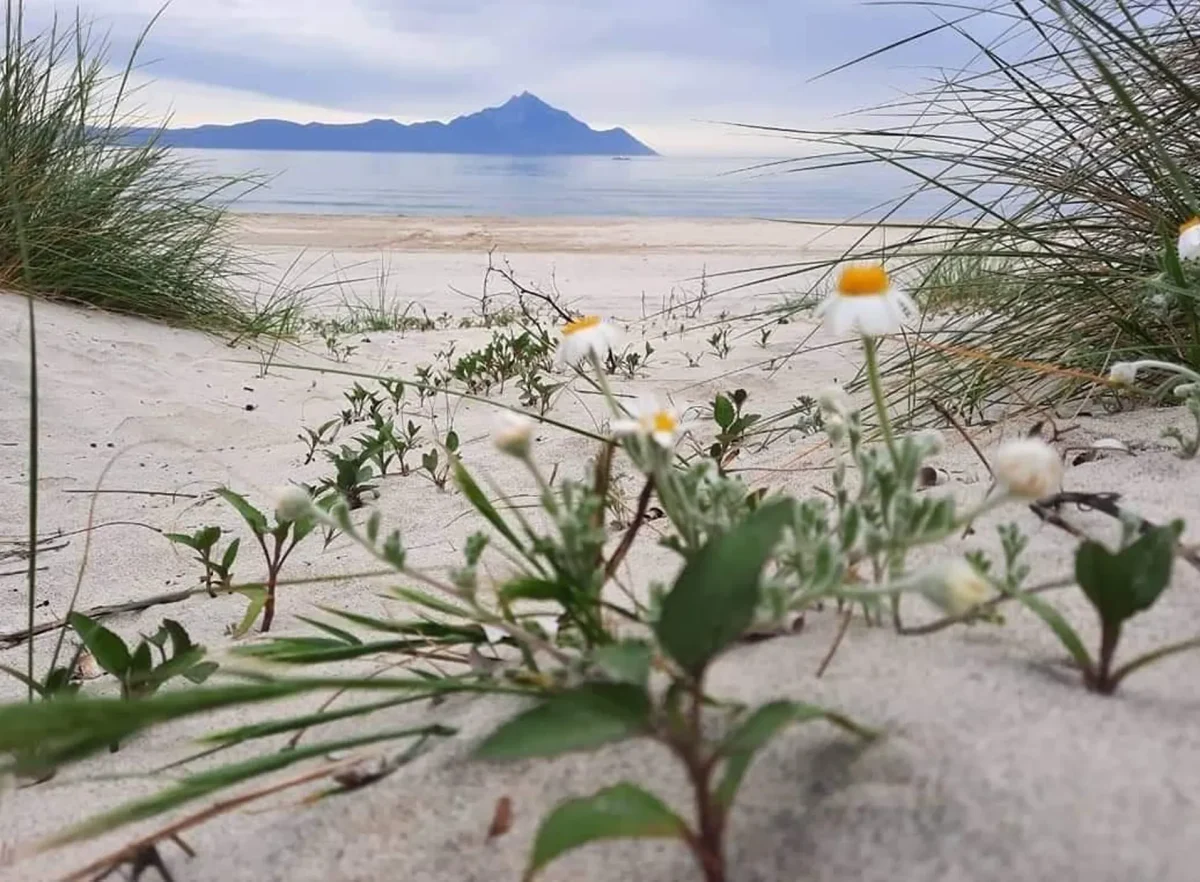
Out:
{"x": 1065, "y": 157}
{"x": 84, "y": 216}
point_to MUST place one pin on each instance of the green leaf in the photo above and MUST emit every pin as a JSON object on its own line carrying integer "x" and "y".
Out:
{"x": 584, "y": 718}
{"x": 63, "y": 731}
{"x": 182, "y": 539}
{"x": 715, "y": 596}
{"x": 199, "y": 673}
{"x": 107, "y": 648}
{"x": 180, "y": 641}
{"x": 530, "y": 588}
{"x": 141, "y": 661}
{"x": 158, "y": 639}
{"x": 481, "y": 503}
{"x": 626, "y": 662}
{"x": 230, "y": 555}
{"x": 25, "y": 679}
{"x": 1061, "y": 628}
{"x": 338, "y": 633}
{"x": 430, "y": 601}
{"x": 1124, "y": 584}
{"x": 205, "y": 783}
{"x": 258, "y": 599}
{"x": 620, "y": 812}
{"x": 452, "y": 441}
{"x": 759, "y": 728}
{"x": 723, "y": 412}
{"x": 256, "y": 520}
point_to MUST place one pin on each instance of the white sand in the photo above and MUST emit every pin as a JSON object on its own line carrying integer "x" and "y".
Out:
{"x": 996, "y": 766}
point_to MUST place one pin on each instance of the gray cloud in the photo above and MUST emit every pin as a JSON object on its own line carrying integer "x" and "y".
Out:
{"x": 660, "y": 67}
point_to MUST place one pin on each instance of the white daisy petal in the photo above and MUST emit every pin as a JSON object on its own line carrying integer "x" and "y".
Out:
{"x": 866, "y": 302}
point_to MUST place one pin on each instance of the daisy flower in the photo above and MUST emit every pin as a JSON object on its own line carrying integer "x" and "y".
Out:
{"x": 1189, "y": 240}
{"x": 586, "y": 336}
{"x": 650, "y": 420}
{"x": 866, "y": 302}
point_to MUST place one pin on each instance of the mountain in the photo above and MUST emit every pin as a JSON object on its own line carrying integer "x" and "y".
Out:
{"x": 525, "y": 125}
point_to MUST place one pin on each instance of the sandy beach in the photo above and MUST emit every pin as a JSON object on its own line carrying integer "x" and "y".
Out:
{"x": 994, "y": 765}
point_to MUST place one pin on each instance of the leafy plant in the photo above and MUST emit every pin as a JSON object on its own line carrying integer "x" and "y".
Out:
{"x": 395, "y": 392}
{"x": 732, "y": 425}
{"x": 339, "y": 351}
{"x": 321, "y": 436}
{"x": 509, "y": 353}
{"x": 363, "y": 404}
{"x": 631, "y": 363}
{"x": 136, "y": 669}
{"x": 352, "y": 477}
{"x": 713, "y": 600}
{"x": 438, "y": 471}
{"x": 1119, "y": 586}
{"x": 277, "y": 543}
{"x": 719, "y": 343}
{"x": 218, "y": 573}
{"x": 537, "y": 393}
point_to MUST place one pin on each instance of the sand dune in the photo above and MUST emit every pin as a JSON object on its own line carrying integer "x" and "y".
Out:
{"x": 996, "y": 765}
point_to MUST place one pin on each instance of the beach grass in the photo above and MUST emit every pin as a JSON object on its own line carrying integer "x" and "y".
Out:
{"x": 90, "y": 219}
{"x": 1065, "y": 160}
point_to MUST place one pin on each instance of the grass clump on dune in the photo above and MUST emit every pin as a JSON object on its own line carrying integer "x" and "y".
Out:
{"x": 85, "y": 218}
{"x": 1065, "y": 158}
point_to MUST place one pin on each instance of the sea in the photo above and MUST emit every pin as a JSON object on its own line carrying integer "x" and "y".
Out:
{"x": 412, "y": 184}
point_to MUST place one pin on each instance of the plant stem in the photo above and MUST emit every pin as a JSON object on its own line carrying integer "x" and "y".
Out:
{"x": 1142, "y": 660}
{"x": 1102, "y": 678}
{"x": 274, "y": 564}
{"x": 631, "y": 533}
{"x": 885, "y": 421}
{"x": 33, "y": 493}
{"x": 710, "y": 817}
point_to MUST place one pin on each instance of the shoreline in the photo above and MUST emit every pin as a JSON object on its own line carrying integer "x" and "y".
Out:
{"x": 601, "y": 235}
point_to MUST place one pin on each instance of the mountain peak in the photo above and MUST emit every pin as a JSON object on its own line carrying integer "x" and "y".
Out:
{"x": 524, "y": 125}
{"x": 526, "y": 102}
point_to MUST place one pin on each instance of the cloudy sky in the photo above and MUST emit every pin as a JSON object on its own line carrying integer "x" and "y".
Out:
{"x": 662, "y": 68}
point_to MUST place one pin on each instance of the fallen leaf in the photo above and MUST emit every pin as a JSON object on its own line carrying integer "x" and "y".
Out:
{"x": 502, "y": 818}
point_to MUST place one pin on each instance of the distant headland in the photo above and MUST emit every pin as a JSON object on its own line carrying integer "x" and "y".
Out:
{"x": 525, "y": 125}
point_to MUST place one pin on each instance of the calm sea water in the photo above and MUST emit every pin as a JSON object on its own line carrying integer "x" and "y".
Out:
{"x": 430, "y": 184}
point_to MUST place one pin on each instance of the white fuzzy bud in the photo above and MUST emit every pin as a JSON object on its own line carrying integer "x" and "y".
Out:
{"x": 1123, "y": 373}
{"x": 292, "y": 503}
{"x": 1029, "y": 468}
{"x": 956, "y": 587}
{"x": 514, "y": 435}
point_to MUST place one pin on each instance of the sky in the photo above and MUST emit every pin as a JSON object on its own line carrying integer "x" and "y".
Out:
{"x": 667, "y": 70}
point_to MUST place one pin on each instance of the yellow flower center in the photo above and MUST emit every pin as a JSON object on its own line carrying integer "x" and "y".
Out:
{"x": 580, "y": 324}
{"x": 664, "y": 421}
{"x": 863, "y": 281}
{"x": 1190, "y": 225}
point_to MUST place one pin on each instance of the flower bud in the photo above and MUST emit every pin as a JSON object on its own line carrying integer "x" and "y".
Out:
{"x": 956, "y": 587}
{"x": 1028, "y": 468}
{"x": 514, "y": 435}
{"x": 292, "y": 503}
